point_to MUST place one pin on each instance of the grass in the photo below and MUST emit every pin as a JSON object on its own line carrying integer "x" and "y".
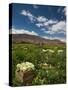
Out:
{"x": 56, "y": 74}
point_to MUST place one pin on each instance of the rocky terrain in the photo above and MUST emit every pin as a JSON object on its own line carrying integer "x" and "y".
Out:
{"x": 20, "y": 38}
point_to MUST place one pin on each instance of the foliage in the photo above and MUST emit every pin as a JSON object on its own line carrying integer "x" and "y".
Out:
{"x": 55, "y": 73}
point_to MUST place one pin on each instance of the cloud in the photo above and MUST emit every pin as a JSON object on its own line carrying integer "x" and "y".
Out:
{"x": 59, "y": 27}
{"x": 39, "y": 24}
{"x": 23, "y": 31}
{"x": 41, "y": 19}
{"x": 64, "y": 11}
{"x": 52, "y": 26}
{"x": 55, "y": 28}
{"x": 49, "y": 32}
{"x": 63, "y": 39}
{"x": 50, "y": 22}
{"x": 25, "y": 13}
{"x": 45, "y": 23}
{"x": 28, "y": 14}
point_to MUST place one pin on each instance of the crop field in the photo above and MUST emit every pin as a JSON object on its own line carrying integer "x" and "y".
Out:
{"x": 49, "y": 62}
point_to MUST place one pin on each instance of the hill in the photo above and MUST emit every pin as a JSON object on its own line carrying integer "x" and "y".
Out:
{"x": 20, "y": 38}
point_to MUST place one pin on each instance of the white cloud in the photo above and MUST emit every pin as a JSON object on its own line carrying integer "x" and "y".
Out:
{"x": 29, "y": 15}
{"x": 39, "y": 24}
{"x": 26, "y": 13}
{"x": 49, "y": 22}
{"x": 53, "y": 26}
{"x": 46, "y": 22}
{"x": 55, "y": 38}
{"x": 49, "y": 32}
{"x": 41, "y": 19}
{"x": 64, "y": 11}
{"x": 60, "y": 27}
{"x": 23, "y": 31}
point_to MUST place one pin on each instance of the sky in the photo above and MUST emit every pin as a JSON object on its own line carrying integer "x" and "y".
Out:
{"x": 41, "y": 20}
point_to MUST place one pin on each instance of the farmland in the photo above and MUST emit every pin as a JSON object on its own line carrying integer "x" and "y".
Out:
{"x": 52, "y": 55}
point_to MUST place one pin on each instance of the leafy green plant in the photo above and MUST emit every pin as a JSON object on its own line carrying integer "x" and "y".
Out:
{"x": 56, "y": 71}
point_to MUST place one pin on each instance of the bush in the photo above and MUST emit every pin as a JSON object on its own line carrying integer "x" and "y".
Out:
{"x": 54, "y": 74}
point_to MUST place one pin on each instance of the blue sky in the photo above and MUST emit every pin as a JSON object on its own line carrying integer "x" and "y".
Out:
{"x": 40, "y": 20}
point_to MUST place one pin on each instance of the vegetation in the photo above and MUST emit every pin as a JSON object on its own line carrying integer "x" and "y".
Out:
{"x": 49, "y": 62}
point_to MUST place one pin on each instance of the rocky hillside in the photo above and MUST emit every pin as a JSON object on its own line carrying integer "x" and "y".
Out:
{"x": 20, "y": 38}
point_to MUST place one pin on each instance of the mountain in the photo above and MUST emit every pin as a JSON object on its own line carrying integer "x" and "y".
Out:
{"x": 20, "y": 38}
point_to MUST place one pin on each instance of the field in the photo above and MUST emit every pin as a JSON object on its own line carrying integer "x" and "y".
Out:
{"x": 55, "y": 58}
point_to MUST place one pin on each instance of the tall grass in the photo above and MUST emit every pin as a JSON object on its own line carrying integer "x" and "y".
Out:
{"x": 54, "y": 74}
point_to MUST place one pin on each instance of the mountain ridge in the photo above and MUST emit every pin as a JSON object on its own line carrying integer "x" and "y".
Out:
{"x": 20, "y": 38}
